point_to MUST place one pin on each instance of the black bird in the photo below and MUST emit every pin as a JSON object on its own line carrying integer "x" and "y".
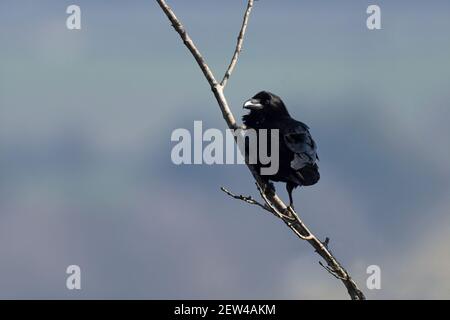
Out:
{"x": 297, "y": 149}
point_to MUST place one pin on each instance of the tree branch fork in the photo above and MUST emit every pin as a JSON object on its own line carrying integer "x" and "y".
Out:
{"x": 272, "y": 202}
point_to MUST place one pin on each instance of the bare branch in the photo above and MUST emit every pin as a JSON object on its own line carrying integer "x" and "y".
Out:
{"x": 272, "y": 200}
{"x": 240, "y": 41}
{"x": 215, "y": 87}
{"x": 332, "y": 272}
{"x": 248, "y": 199}
{"x": 275, "y": 211}
{"x": 188, "y": 42}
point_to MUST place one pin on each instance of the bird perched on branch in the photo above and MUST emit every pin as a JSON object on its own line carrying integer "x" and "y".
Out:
{"x": 297, "y": 149}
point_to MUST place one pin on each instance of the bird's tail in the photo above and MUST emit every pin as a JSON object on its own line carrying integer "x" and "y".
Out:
{"x": 310, "y": 174}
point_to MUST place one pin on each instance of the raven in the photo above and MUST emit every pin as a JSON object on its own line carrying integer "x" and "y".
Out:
{"x": 298, "y": 151}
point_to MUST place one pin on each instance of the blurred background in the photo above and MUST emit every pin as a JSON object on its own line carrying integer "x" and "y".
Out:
{"x": 86, "y": 176}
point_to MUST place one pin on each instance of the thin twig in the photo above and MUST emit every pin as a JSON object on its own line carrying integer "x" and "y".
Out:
{"x": 332, "y": 272}
{"x": 240, "y": 41}
{"x": 273, "y": 201}
{"x": 247, "y": 199}
{"x": 215, "y": 86}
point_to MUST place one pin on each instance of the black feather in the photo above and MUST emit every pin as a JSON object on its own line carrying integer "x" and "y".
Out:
{"x": 298, "y": 151}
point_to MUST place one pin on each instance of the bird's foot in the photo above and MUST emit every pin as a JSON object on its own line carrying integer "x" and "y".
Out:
{"x": 290, "y": 208}
{"x": 269, "y": 189}
{"x": 288, "y": 213}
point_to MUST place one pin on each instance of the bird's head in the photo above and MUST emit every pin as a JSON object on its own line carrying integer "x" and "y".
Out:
{"x": 267, "y": 104}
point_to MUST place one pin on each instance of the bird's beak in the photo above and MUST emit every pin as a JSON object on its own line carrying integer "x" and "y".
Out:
{"x": 253, "y": 104}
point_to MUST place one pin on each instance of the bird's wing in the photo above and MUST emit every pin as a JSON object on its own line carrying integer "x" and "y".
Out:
{"x": 299, "y": 141}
